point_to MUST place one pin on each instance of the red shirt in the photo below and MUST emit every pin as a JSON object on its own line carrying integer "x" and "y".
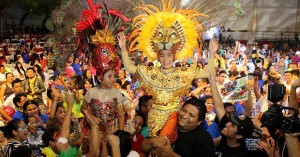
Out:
{"x": 136, "y": 142}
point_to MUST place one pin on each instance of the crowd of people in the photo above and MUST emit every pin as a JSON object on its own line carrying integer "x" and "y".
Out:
{"x": 50, "y": 123}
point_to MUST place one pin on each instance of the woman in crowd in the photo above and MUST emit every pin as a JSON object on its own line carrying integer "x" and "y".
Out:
{"x": 121, "y": 76}
{"x": 19, "y": 71}
{"x": 86, "y": 74}
{"x": 31, "y": 109}
{"x": 87, "y": 85}
{"x": 6, "y": 88}
{"x": 16, "y": 132}
{"x": 39, "y": 72}
{"x": 34, "y": 136}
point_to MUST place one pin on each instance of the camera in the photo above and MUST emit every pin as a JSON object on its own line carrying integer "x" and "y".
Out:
{"x": 273, "y": 118}
{"x": 276, "y": 92}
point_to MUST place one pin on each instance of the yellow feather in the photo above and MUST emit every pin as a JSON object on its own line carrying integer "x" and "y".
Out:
{"x": 148, "y": 11}
{"x": 169, "y": 5}
{"x": 152, "y": 7}
{"x": 133, "y": 43}
{"x": 139, "y": 17}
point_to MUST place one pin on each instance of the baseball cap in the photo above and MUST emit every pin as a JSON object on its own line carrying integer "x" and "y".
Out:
{"x": 298, "y": 53}
{"x": 244, "y": 124}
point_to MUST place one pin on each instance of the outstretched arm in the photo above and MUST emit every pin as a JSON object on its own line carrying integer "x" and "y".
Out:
{"x": 129, "y": 66}
{"x": 213, "y": 47}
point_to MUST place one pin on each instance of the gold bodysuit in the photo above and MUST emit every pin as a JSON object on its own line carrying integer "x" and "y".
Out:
{"x": 167, "y": 86}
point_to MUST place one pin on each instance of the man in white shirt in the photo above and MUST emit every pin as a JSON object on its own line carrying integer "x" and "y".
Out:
{"x": 17, "y": 87}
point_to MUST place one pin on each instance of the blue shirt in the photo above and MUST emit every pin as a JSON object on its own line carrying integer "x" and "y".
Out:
{"x": 76, "y": 68}
{"x": 18, "y": 114}
{"x": 239, "y": 108}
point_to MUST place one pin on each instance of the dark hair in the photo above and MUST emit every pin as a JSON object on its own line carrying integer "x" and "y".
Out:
{"x": 199, "y": 105}
{"x": 1, "y": 65}
{"x": 264, "y": 83}
{"x": 17, "y": 99}
{"x": 27, "y": 117}
{"x": 77, "y": 79}
{"x": 118, "y": 81}
{"x": 23, "y": 151}
{"x": 58, "y": 105}
{"x": 30, "y": 68}
{"x": 8, "y": 74}
{"x": 141, "y": 114}
{"x": 17, "y": 80}
{"x": 84, "y": 73}
{"x": 12, "y": 125}
{"x": 125, "y": 142}
{"x": 48, "y": 134}
{"x": 18, "y": 69}
{"x": 295, "y": 73}
{"x": 233, "y": 73}
{"x": 28, "y": 102}
{"x": 38, "y": 67}
{"x": 222, "y": 71}
{"x": 49, "y": 91}
{"x": 143, "y": 101}
{"x": 34, "y": 57}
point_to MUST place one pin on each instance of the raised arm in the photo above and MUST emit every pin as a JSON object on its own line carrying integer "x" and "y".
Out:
{"x": 66, "y": 124}
{"x": 212, "y": 79}
{"x": 129, "y": 66}
{"x": 213, "y": 47}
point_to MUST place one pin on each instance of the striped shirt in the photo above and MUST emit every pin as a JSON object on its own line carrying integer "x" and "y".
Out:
{"x": 12, "y": 145}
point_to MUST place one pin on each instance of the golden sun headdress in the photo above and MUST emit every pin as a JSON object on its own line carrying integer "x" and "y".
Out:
{"x": 169, "y": 25}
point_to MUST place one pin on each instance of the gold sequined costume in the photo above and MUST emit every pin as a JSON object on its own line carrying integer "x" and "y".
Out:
{"x": 167, "y": 86}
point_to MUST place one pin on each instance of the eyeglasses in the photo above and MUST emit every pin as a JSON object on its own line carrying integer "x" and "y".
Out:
{"x": 33, "y": 123}
{"x": 22, "y": 128}
{"x": 209, "y": 104}
{"x": 44, "y": 109}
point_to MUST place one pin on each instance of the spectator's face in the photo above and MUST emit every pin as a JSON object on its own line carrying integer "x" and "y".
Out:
{"x": 201, "y": 83}
{"x": 2, "y": 137}
{"x": 138, "y": 124}
{"x": 32, "y": 110}
{"x": 10, "y": 78}
{"x": 287, "y": 76}
{"x": 22, "y": 101}
{"x": 148, "y": 107}
{"x": 109, "y": 79}
{"x": 188, "y": 118}
{"x": 166, "y": 58}
{"x": 131, "y": 94}
{"x": 207, "y": 91}
{"x": 21, "y": 132}
{"x": 272, "y": 68}
{"x": 88, "y": 74}
{"x": 121, "y": 74}
{"x": 87, "y": 85}
{"x": 30, "y": 73}
{"x": 43, "y": 109}
{"x": 209, "y": 103}
{"x": 32, "y": 125}
{"x": 2, "y": 70}
{"x": 18, "y": 87}
{"x": 222, "y": 78}
{"x": 60, "y": 115}
{"x": 230, "y": 130}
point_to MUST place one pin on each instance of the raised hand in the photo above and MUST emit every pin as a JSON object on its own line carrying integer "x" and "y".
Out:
{"x": 69, "y": 98}
{"x": 122, "y": 41}
{"x": 213, "y": 47}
